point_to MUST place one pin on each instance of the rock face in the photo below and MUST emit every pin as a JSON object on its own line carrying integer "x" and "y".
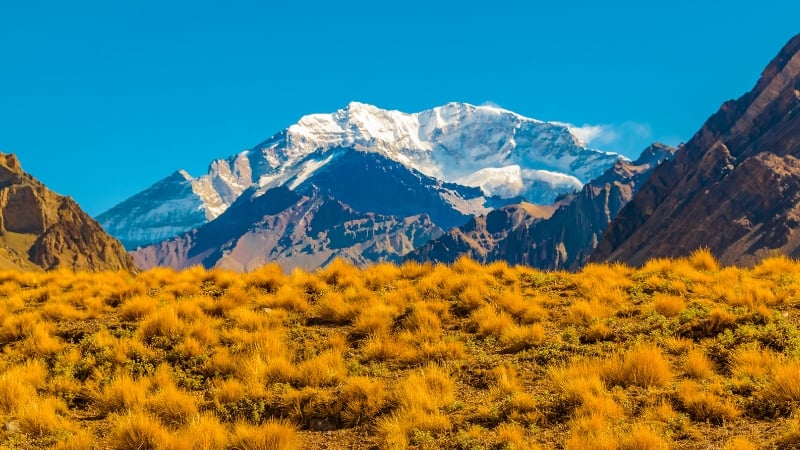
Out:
{"x": 496, "y": 151}
{"x": 42, "y": 230}
{"x": 734, "y": 187}
{"x": 561, "y": 237}
{"x": 480, "y": 236}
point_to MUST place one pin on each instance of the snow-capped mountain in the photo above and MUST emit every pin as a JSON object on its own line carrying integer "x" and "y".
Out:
{"x": 502, "y": 153}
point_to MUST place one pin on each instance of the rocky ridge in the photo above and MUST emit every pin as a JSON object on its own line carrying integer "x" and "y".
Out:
{"x": 40, "y": 229}
{"x": 733, "y": 188}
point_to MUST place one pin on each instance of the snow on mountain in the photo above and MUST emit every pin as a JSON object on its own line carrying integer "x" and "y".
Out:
{"x": 449, "y": 142}
{"x": 501, "y": 152}
{"x": 177, "y": 203}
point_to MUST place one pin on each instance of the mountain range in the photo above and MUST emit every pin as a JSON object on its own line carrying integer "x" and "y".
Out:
{"x": 363, "y": 184}
{"x": 504, "y": 155}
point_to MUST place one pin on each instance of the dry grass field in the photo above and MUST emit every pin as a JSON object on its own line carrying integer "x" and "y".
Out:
{"x": 676, "y": 354}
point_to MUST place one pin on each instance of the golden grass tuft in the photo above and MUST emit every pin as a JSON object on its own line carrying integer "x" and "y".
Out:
{"x": 327, "y": 369}
{"x": 121, "y": 394}
{"x": 704, "y": 405}
{"x": 642, "y": 437}
{"x": 740, "y": 443}
{"x": 698, "y": 365}
{"x": 668, "y": 305}
{"x": 18, "y": 385}
{"x": 138, "y": 431}
{"x": 587, "y": 312}
{"x": 205, "y": 432}
{"x": 164, "y": 323}
{"x": 784, "y": 386}
{"x": 644, "y": 366}
{"x": 172, "y": 406}
{"x": 363, "y": 398}
{"x": 517, "y": 338}
{"x": 512, "y": 436}
{"x": 137, "y": 308}
{"x": 43, "y": 417}
{"x": 272, "y": 435}
{"x": 488, "y": 321}
{"x": 703, "y": 259}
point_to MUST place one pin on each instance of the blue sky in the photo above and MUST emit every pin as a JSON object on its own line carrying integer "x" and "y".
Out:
{"x": 100, "y": 99}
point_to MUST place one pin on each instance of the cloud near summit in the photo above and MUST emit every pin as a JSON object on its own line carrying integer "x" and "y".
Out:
{"x": 627, "y": 137}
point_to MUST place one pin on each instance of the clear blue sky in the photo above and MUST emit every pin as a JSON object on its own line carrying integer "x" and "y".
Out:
{"x": 100, "y": 99}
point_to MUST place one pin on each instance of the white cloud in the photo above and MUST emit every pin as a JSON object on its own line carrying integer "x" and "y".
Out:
{"x": 590, "y": 134}
{"x": 628, "y": 138}
{"x": 491, "y": 104}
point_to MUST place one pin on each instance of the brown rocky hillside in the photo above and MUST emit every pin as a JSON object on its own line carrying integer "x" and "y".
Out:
{"x": 734, "y": 187}
{"x": 40, "y": 229}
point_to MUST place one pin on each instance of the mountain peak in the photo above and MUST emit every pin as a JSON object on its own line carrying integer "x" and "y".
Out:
{"x": 10, "y": 163}
{"x": 10, "y": 169}
{"x": 787, "y": 57}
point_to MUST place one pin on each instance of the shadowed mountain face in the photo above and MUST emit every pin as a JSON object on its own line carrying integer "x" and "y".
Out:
{"x": 479, "y": 237}
{"x": 734, "y": 187}
{"x": 40, "y": 229}
{"x": 322, "y": 217}
{"x": 559, "y": 237}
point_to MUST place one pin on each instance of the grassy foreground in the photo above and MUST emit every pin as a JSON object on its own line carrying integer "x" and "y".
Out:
{"x": 677, "y": 354}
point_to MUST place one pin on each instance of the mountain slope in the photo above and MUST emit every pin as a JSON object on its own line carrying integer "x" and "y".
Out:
{"x": 500, "y": 152}
{"x": 567, "y": 239}
{"x": 178, "y": 203}
{"x": 479, "y": 237}
{"x": 306, "y": 222}
{"x": 40, "y": 229}
{"x": 562, "y": 237}
{"x": 734, "y": 187}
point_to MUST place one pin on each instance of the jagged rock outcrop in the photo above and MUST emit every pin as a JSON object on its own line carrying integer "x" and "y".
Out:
{"x": 40, "y": 229}
{"x": 479, "y": 237}
{"x": 559, "y": 237}
{"x": 734, "y": 187}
